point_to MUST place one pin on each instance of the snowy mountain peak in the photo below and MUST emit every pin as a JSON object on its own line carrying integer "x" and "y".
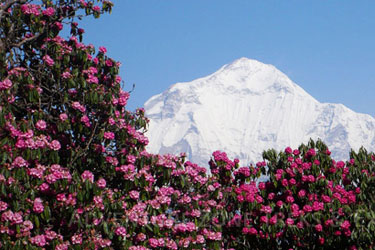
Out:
{"x": 245, "y": 63}
{"x": 254, "y": 76}
{"x": 246, "y": 66}
{"x": 244, "y": 108}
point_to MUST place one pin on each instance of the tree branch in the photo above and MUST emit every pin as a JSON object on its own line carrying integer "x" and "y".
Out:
{"x": 8, "y": 4}
{"x": 87, "y": 145}
{"x": 17, "y": 45}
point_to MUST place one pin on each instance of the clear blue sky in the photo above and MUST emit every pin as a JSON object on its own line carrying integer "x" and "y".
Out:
{"x": 327, "y": 47}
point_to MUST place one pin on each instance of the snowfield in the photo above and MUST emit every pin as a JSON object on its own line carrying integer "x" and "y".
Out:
{"x": 247, "y": 107}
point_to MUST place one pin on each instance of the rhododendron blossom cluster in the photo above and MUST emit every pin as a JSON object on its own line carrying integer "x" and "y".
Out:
{"x": 75, "y": 174}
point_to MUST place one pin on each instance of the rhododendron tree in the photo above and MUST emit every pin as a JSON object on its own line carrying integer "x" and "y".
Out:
{"x": 309, "y": 201}
{"x": 74, "y": 172}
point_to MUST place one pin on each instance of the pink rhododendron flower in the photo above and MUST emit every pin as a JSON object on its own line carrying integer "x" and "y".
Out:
{"x": 289, "y": 199}
{"x": 259, "y": 199}
{"x": 168, "y": 223}
{"x": 262, "y": 185}
{"x": 48, "y": 60}
{"x": 19, "y": 162}
{"x": 98, "y": 200}
{"x": 118, "y": 79}
{"x": 318, "y": 206}
{"x": 3, "y": 206}
{"x": 50, "y": 235}
{"x": 109, "y": 63}
{"x": 51, "y": 178}
{"x": 92, "y": 79}
{"x": 345, "y": 225}
{"x": 123, "y": 99}
{"x": 271, "y": 196}
{"x": 134, "y": 194}
{"x": 141, "y": 237}
{"x": 328, "y": 222}
{"x": 252, "y": 231}
{"x": 289, "y": 221}
{"x": 36, "y": 172}
{"x": 73, "y": 92}
{"x": 109, "y": 135}
{"x": 318, "y": 227}
{"x": 311, "y": 152}
{"x": 96, "y": 8}
{"x": 266, "y": 209}
{"x": 102, "y": 49}
{"x": 66, "y": 75}
{"x": 321, "y": 240}
{"x": 76, "y": 239}
{"x": 288, "y": 150}
{"x": 264, "y": 219}
{"x": 101, "y": 183}
{"x": 27, "y": 226}
{"x": 6, "y": 84}
{"x": 38, "y": 206}
{"x": 153, "y": 242}
{"x": 87, "y": 175}
{"x": 49, "y": 11}
{"x": 58, "y": 25}
{"x": 284, "y": 182}
{"x": 112, "y": 160}
{"x": 301, "y": 193}
{"x": 121, "y": 231}
{"x": 190, "y": 226}
{"x": 85, "y": 119}
{"x": 44, "y": 187}
{"x": 347, "y": 233}
{"x": 7, "y": 216}
{"x": 326, "y": 198}
{"x": 131, "y": 159}
{"x": 78, "y": 106}
{"x": 61, "y": 197}
{"x": 307, "y": 208}
{"x": 55, "y": 145}
{"x": 62, "y": 246}
{"x": 30, "y": 9}
{"x": 17, "y": 218}
{"x": 273, "y": 220}
{"x": 292, "y": 182}
{"x": 41, "y": 125}
{"x": 63, "y": 116}
{"x": 38, "y": 240}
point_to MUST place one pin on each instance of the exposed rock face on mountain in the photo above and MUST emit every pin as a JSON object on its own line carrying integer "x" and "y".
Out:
{"x": 247, "y": 107}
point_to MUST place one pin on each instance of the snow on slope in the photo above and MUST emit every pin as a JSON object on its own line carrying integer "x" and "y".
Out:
{"x": 247, "y": 107}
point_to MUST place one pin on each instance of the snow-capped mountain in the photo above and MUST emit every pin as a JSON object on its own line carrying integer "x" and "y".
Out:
{"x": 247, "y": 107}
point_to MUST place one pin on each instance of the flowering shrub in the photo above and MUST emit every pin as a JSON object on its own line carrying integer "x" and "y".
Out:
{"x": 309, "y": 201}
{"x": 74, "y": 172}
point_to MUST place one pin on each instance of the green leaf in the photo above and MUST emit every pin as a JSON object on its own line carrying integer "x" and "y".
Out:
{"x": 105, "y": 228}
{"x": 36, "y": 221}
{"x": 47, "y": 213}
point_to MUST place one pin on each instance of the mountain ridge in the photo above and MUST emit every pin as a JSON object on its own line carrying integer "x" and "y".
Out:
{"x": 246, "y": 107}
